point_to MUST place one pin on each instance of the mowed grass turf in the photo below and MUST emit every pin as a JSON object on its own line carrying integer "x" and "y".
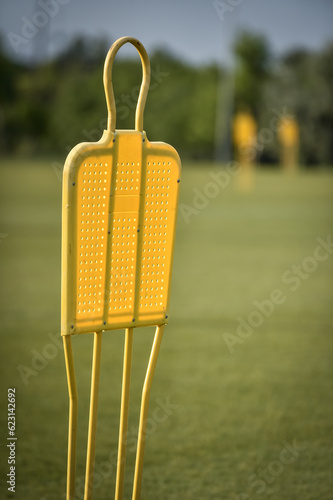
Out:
{"x": 252, "y": 423}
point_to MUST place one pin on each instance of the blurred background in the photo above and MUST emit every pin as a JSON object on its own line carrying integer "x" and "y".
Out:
{"x": 243, "y": 89}
{"x": 208, "y": 61}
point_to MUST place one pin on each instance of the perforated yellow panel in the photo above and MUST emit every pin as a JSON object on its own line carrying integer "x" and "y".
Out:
{"x": 120, "y": 199}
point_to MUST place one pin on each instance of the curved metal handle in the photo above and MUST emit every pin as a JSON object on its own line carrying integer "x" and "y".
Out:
{"x": 107, "y": 79}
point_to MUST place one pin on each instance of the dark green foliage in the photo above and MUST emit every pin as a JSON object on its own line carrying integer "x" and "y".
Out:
{"x": 302, "y": 84}
{"x": 51, "y": 107}
{"x": 252, "y": 69}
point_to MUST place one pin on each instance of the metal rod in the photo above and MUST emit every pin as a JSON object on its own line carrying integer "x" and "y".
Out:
{"x": 124, "y": 414}
{"x": 144, "y": 412}
{"x": 107, "y": 78}
{"x": 72, "y": 426}
{"x": 93, "y": 416}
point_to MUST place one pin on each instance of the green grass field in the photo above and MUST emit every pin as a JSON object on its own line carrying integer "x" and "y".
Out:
{"x": 248, "y": 424}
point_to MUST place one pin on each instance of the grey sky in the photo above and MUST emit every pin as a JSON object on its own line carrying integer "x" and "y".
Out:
{"x": 196, "y": 30}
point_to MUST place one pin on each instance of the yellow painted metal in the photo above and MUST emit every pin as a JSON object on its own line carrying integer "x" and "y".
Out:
{"x": 144, "y": 412}
{"x": 93, "y": 416}
{"x": 72, "y": 425}
{"x": 120, "y": 198}
{"x": 124, "y": 414}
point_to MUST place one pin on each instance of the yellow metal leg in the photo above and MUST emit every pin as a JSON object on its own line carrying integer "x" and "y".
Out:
{"x": 72, "y": 427}
{"x": 93, "y": 416}
{"x": 124, "y": 414}
{"x": 144, "y": 412}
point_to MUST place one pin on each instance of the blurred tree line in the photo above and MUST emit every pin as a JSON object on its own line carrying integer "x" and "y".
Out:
{"x": 51, "y": 107}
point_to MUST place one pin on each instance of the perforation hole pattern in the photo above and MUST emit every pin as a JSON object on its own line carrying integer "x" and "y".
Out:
{"x": 124, "y": 258}
{"x": 157, "y": 241}
{"x": 92, "y": 230}
{"x": 122, "y": 264}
